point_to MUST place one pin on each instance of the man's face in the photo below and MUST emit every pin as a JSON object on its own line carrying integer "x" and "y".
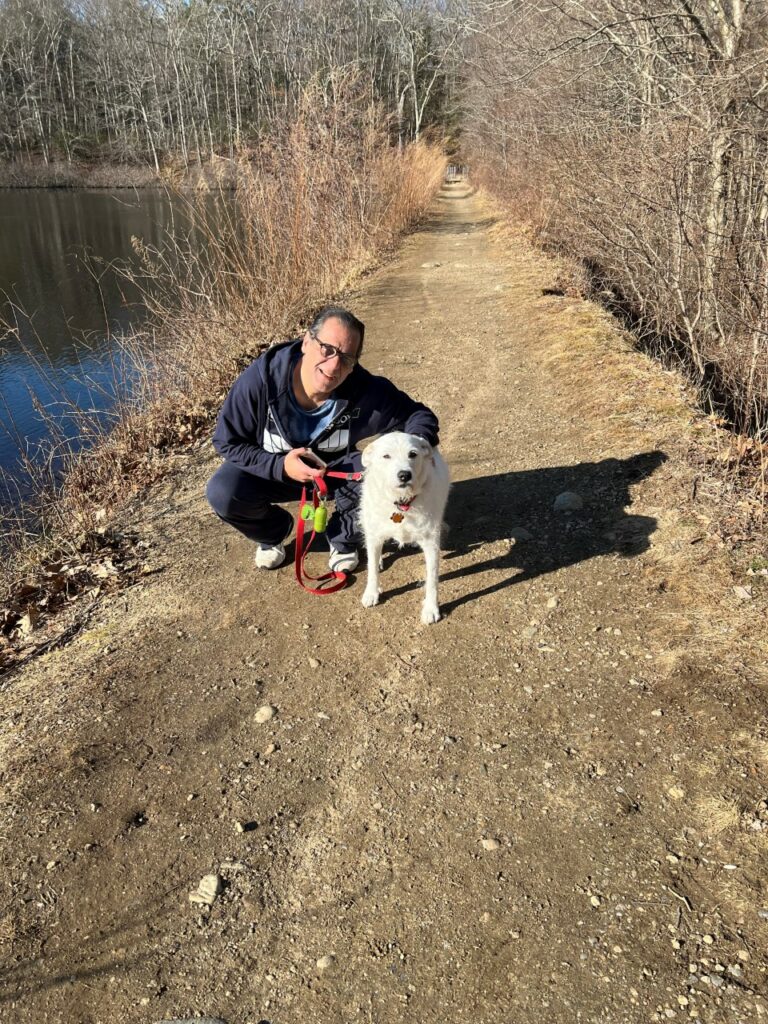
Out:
{"x": 328, "y": 357}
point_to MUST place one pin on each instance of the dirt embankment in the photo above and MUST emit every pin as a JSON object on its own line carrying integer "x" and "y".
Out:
{"x": 551, "y": 803}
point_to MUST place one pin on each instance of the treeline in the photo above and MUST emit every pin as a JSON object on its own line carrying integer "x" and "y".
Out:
{"x": 634, "y": 135}
{"x": 142, "y": 80}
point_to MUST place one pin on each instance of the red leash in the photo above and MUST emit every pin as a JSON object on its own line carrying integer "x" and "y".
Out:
{"x": 318, "y": 513}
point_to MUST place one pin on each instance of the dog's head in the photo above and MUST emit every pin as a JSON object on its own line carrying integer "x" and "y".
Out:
{"x": 400, "y": 462}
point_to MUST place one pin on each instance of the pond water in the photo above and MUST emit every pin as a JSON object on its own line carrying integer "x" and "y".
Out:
{"x": 66, "y": 305}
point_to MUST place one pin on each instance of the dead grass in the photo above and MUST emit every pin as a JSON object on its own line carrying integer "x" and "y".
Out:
{"x": 313, "y": 210}
{"x": 717, "y": 814}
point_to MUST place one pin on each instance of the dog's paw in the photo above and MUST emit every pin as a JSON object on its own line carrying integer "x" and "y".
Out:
{"x": 430, "y": 613}
{"x": 370, "y": 598}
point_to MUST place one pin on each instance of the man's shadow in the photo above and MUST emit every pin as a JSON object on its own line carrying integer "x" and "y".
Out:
{"x": 491, "y": 509}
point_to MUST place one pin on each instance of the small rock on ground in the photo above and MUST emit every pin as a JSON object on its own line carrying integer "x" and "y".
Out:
{"x": 210, "y": 887}
{"x": 568, "y": 501}
{"x": 519, "y": 535}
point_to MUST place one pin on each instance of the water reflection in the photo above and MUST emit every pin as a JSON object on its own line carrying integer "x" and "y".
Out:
{"x": 69, "y": 308}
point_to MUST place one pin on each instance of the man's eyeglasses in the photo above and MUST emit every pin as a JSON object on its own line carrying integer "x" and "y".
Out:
{"x": 329, "y": 351}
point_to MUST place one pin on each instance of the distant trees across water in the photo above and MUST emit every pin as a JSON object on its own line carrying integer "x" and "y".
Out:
{"x": 142, "y": 80}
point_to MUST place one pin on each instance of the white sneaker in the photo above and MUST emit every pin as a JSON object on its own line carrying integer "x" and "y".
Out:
{"x": 269, "y": 556}
{"x": 343, "y": 561}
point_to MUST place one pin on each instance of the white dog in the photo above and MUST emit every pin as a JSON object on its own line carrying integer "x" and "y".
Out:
{"x": 405, "y": 488}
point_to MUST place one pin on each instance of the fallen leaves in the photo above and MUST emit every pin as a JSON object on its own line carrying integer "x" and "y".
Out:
{"x": 102, "y": 562}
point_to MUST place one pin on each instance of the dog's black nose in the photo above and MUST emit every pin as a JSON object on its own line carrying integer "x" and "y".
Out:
{"x": 404, "y": 475}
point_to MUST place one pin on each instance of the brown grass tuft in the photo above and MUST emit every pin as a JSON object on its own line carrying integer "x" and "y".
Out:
{"x": 717, "y": 814}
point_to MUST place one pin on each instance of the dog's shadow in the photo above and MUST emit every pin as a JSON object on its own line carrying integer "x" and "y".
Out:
{"x": 493, "y": 509}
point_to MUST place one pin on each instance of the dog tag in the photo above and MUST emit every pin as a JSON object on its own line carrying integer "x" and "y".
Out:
{"x": 397, "y": 517}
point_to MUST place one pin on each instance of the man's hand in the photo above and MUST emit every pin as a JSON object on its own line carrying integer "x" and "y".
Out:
{"x": 295, "y": 468}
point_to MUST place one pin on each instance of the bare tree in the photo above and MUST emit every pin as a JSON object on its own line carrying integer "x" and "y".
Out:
{"x": 147, "y": 80}
{"x": 633, "y": 134}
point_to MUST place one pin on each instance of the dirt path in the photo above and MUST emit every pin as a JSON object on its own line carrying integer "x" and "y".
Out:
{"x": 545, "y": 808}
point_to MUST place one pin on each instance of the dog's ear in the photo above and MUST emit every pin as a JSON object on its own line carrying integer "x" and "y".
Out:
{"x": 427, "y": 449}
{"x": 366, "y": 456}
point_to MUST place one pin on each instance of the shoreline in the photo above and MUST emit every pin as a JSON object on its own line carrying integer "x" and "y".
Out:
{"x": 220, "y": 175}
{"x": 159, "y": 185}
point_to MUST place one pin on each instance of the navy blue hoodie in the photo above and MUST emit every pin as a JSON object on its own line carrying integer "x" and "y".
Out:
{"x": 251, "y": 429}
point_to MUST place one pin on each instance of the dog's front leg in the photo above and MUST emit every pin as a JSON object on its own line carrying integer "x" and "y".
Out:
{"x": 374, "y": 548}
{"x": 430, "y": 611}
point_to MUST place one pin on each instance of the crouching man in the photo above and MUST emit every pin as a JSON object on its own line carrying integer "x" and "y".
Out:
{"x": 302, "y": 405}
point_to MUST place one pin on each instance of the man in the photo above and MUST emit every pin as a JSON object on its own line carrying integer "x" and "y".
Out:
{"x": 302, "y": 406}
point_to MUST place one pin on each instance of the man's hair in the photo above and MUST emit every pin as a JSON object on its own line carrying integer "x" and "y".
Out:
{"x": 349, "y": 320}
